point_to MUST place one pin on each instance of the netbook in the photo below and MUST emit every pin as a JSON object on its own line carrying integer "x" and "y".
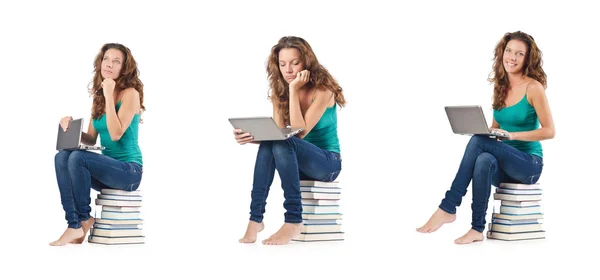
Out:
{"x": 71, "y": 139}
{"x": 469, "y": 120}
{"x": 264, "y": 128}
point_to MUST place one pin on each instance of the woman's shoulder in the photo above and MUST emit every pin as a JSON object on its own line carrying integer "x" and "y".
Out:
{"x": 130, "y": 94}
{"x": 535, "y": 91}
{"x": 129, "y": 91}
{"x": 322, "y": 91}
{"x": 535, "y": 88}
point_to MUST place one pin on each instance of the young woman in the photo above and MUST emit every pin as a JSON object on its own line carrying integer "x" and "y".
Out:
{"x": 521, "y": 109}
{"x": 118, "y": 102}
{"x": 304, "y": 95}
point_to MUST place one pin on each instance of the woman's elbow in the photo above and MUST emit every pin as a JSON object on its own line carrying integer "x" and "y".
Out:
{"x": 116, "y": 136}
{"x": 551, "y": 133}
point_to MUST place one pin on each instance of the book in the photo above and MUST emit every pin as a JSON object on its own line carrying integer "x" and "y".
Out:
{"x": 119, "y": 222}
{"x": 117, "y": 226}
{"x": 517, "y": 217}
{"x": 320, "y": 190}
{"x": 517, "y": 191}
{"x": 320, "y": 221}
{"x": 121, "y": 208}
{"x": 320, "y": 195}
{"x": 517, "y": 228}
{"x": 516, "y": 236}
{"x": 312, "y": 209}
{"x": 518, "y": 186}
{"x": 520, "y": 210}
{"x": 120, "y": 215}
{"x": 120, "y": 197}
{"x": 321, "y": 228}
{"x": 120, "y": 192}
{"x": 307, "y": 183}
{"x": 517, "y": 197}
{"x": 515, "y": 222}
{"x": 117, "y": 232}
{"x": 329, "y": 236}
{"x": 321, "y": 216}
{"x": 320, "y": 202}
{"x": 116, "y": 240}
{"x": 111, "y": 202}
{"x": 519, "y": 203}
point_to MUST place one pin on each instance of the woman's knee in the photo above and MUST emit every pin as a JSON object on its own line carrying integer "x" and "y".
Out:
{"x": 265, "y": 148}
{"x": 62, "y": 158}
{"x": 478, "y": 139}
{"x": 485, "y": 161}
{"x": 76, "y": 158}
{"x": 280, "y": 147}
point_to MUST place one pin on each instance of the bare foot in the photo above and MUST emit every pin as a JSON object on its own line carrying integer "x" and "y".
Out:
{"x": 252, "y": 231}
{"x": 69, "y": 235}
{"x": 86, "y": 225}
{"x": 436, "y": 221}
{"x": 284, "y": 235}
{"x": 470, "y": 237}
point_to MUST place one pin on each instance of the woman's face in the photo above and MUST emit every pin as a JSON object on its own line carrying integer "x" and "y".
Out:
{"x": 290, "y": 63}
{"x": 514, "y": 56}
{"x": 111, "y": 64}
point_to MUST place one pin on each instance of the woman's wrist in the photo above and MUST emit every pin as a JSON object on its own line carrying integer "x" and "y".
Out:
{"x": 514, "y": 136}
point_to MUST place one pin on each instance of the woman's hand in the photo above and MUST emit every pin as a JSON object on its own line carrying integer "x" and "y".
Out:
{"x": 108, "y": 87}
{"x": 510, "y": 136}
{"x": 301, "y": 79}
{"x": 64, "y": 122}
{"x": 242, "y": 137}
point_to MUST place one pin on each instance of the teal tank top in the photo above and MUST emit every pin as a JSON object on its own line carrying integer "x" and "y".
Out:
{"x": 517, "y": 118}
{"x": 126, "y": 149}
{"x": 324, "y": 134}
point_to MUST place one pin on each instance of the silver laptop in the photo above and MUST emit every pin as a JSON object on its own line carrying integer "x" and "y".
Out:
{"x": 71, "y": 139}
{"x": 264, "y": 128}
{"x": 469, "y": 120}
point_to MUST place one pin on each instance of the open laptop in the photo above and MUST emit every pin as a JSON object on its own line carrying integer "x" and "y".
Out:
{"x": 264, "y": 128}
{"x": 71, "y": 139}
{"x": 469, "y": 120}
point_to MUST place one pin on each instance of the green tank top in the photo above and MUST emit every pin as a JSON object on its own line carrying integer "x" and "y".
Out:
{"x": 324, "y": 134}
{"x": 520, "y": 117}
{"x": 126, "y": 149}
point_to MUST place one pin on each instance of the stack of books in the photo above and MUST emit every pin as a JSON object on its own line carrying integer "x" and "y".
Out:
{"x": 520, "y": 216}
{"x": 320, "y": 212}
{"x": 121, "y": 221}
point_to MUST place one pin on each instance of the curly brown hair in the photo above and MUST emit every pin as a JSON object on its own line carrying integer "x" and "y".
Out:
{"x": 128, "y": 78}
{"x": 319, "y": 76}
{"x": 532, "y": 67}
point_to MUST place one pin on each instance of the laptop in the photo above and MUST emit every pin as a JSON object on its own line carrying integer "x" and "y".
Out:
{"x": 71, "y": 139}
{"x": 264, "y": 128}
{"x": 469, "y": 120}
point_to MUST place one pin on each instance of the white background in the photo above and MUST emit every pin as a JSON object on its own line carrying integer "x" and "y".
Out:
{"x": 203, "y": 63}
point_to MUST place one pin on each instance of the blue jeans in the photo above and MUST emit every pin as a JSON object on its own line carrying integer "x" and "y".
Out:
{"x": 79, "y": 171}
{"x": 489, "y": 162}
{"x": 295, "y": 159}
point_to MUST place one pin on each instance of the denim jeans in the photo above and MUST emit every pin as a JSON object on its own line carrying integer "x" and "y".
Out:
{"x": 295, "y": 159}
{"x": 488, "y": 162}
{"x": 79, "y": 171}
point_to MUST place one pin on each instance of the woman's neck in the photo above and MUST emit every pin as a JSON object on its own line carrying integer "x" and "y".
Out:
{"x": 516, "y": 79}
